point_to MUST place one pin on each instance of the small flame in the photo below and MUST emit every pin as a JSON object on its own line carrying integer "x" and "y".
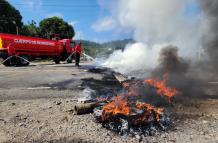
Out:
{"x": 149, "y": 109}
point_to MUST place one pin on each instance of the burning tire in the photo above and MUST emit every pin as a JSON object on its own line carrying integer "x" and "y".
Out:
{"x": 125, "y": 114}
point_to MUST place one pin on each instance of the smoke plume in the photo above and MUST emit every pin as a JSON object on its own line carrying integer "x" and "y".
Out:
{"x": 210, "y": 36}
{"x": 155, "y": 24}
{"x": 170, "y": 39}
{"x": 178, "y": 70}
{"x": 170, "y": 62}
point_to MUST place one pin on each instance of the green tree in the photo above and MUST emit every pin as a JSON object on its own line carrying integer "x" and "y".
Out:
{"x": 30, "y": 29}
{"x": 55, "y": 25}
{"x": 10, "y": 18}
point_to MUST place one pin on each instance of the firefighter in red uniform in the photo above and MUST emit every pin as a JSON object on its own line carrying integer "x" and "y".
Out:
{"x": 78, "y": 52}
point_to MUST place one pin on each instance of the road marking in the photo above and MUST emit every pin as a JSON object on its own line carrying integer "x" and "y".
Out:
{"x": 34, "y": 71}
{"x": 41, "y": 87}
{"x": 213, "y": 82}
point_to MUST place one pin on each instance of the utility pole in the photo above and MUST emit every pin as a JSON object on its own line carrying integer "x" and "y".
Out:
{"x": 17, "y": 30}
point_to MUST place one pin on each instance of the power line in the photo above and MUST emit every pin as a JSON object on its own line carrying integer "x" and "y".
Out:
{"x": 54, "y": 5}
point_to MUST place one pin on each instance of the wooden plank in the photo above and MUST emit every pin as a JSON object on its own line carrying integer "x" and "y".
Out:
{"x": 121, "y": 78}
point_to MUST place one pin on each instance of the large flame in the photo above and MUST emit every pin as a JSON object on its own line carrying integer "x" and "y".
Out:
{"x": 122, "y": 105}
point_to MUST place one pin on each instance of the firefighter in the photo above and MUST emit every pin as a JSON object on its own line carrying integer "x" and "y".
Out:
{"x": 78, "y": 52}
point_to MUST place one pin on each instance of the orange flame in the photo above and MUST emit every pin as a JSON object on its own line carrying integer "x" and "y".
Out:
{"x": 120, "y": 105}
{"x": 161, "y": 87}
{"x": 117, "y": 106}
{"x": 149, "y": 109}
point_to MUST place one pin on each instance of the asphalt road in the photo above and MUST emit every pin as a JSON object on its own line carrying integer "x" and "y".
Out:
{"x": 42, "y": 81}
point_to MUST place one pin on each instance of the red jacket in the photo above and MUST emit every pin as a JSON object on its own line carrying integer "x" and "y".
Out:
{"x": 78, "y": 49}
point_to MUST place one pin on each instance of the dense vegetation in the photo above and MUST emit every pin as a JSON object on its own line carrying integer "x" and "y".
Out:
{"x": 48, "y": 27}
{"x": 54, "y": 25}
{"x": 11, "y": 22}
{"x": 10, "y": 18}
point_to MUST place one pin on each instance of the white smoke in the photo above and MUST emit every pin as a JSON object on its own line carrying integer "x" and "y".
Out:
{"x": 157, "y": 20}
{"x": 154, "y": 23}
{"x": 135, "y": 57}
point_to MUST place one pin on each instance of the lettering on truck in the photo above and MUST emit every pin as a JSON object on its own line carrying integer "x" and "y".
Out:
{"x": 34, "y": 42}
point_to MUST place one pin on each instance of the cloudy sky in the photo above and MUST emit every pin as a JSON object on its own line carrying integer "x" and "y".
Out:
{"x": 94, "y": 20}
{"x": 90, "y": 18}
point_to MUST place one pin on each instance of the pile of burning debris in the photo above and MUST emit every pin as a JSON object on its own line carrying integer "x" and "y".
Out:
{"x": 126, "y": 113}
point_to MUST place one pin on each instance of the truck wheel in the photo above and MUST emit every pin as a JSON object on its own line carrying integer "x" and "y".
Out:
{"x": 4, "y": 57}
{"x": 57, "y": 61}
{"x": 1, "y": 60}
{"x": 22, "y": 62}
{"x": 10, "y": 62}
{"x": 6, "y": 63}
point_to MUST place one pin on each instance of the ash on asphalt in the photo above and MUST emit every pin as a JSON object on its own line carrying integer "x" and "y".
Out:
{"x": 70, "y": 84}
{"x": 103, "y": 86}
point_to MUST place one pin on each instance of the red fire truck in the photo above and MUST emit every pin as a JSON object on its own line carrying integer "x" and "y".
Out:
{"x": 18, "y": 50}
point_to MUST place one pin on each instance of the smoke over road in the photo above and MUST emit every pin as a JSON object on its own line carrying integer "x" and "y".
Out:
{"x": 135, "y": 57}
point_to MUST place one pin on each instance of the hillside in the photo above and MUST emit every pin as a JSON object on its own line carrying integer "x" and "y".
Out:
{"x": 93, "y": 48}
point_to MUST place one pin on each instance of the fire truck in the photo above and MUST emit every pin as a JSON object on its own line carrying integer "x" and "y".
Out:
{"x": 16, "y": 50}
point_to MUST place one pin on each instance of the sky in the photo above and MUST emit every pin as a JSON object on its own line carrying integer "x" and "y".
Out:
{"x": 92, "y": 19}
{"x": 88, "y": 17}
